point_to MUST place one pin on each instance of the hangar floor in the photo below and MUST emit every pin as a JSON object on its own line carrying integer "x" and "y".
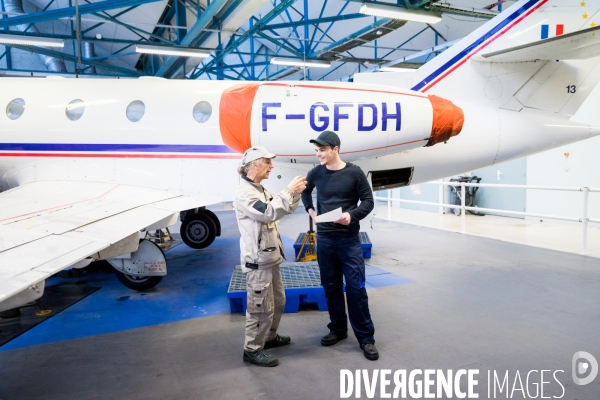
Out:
{"x": 545, "y": 233}
{"x": 470, "y": 303}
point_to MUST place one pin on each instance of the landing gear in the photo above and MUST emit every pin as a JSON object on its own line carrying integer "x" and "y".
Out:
{"x": 144, "y": 268}
{"x": 199, "y": 229}
{"x": 139, "y": 283}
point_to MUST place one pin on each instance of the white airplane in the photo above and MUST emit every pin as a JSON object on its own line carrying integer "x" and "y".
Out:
{"x": 85, "y": 164}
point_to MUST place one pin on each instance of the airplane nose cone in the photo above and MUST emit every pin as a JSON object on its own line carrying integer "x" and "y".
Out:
{"x": 235, "y": 112}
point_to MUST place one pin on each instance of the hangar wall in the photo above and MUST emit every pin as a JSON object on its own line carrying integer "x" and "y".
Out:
{"x": 553, "y": 168}
{"x": 549, "y": 168}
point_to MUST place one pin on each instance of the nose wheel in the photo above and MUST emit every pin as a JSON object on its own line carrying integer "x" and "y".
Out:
{"x": 198, "y": 230}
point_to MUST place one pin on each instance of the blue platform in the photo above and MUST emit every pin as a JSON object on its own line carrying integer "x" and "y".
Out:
{"x": 301, "y": 281}
{"x": 365, "y": 244}
{"x": 195, "y": 287}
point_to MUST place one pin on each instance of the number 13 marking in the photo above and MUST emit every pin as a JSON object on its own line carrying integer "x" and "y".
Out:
{"x": 571, "y": 89}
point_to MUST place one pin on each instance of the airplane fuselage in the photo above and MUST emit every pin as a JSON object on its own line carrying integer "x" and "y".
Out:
{"x": 187, "y": 135}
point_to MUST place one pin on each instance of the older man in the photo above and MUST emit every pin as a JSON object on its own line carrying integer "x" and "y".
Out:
{"x": 261, "y": 252}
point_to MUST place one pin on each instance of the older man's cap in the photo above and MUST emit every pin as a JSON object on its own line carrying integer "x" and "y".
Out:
{"x": 327, "y": 138}
{"x": 256, "y": 152}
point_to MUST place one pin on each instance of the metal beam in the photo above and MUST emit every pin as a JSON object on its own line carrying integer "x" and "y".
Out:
{"x": 201, "y": 23}
{"x": 7, "y": 48}
{"x": 352, "y": 36}
{"x": 399, "y": 48}
{"x": 91, "y": 28}
{"x": 137, "y": 31}
{"x": 68, "y": 12}
{"x": 279, "y": 74}
{"x": 292, "y": 50}
{"x": 236, "y": 43}
{"x": 67, "y": 57}
{"x": 180, "y": 20}
{"x": 85, "y": 38}
{"x": 244, "y": 65}
{"x": 31, "y": 72}
{"x": 330, "y": 72}
{"x": 315, "y": 21}
{"x": 417, "y": 55}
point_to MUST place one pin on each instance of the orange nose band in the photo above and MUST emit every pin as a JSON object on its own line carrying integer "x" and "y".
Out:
{"x": 448, "y": 120}
{"x": 235, "y": 112}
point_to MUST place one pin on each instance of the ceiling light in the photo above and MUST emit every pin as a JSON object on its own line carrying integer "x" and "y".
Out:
{"x": 300, "y": 63}
{"x": 171, "y": 51}
{"x": 396, "y": 69}
{"x": 31, "y": 41}
{"x": 380, "y": 10}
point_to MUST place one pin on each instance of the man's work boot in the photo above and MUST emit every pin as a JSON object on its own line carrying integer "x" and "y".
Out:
{"x": 370, "y": 351}
{"x": 331, "y": 338}
{"x": 278, "y": 341}
{"x": 261, "y": 358}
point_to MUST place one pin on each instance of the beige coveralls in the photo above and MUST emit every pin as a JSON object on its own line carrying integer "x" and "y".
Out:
{"x": 261, "y": 253}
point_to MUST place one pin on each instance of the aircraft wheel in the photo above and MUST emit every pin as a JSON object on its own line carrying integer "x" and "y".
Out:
{"x": 139, "y": 283}
{"x": 198, "y": 230}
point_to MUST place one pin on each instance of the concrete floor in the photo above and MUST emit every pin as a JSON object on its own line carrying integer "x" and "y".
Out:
{"x": 473, "y": 303}
{"x": 546, "y": 233}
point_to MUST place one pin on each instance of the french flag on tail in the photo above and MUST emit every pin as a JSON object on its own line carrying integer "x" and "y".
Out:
{"x": 546, "y": 30}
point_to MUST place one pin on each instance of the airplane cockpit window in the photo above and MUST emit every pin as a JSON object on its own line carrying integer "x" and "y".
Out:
{"x": 202, "y": 112}
{"x": 135, "y": 110}
{"x": 75, "y": 109}
{"x": 15, "y": 109}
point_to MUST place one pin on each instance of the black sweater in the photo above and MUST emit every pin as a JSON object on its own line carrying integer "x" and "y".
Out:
{"x": 340, "y": 188}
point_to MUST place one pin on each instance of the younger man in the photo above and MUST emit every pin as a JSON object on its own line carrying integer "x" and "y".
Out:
{"x": 341, "y": 184}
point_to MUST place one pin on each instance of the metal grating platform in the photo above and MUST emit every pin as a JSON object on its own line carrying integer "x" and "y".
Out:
{"x": 293, "y": 274}
{"x": 301, "y": 281}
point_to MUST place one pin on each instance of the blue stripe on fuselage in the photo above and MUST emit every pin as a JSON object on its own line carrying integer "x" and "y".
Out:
{"x": 475, "y": 44}
{"x": 112, "y": 147}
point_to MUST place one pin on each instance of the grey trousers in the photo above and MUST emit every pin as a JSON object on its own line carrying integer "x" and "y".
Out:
{"x": 265, "y": 304}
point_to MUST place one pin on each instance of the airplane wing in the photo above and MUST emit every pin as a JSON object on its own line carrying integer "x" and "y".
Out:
{"x": 572, "y": 46}
{"x": 49, "y": 225}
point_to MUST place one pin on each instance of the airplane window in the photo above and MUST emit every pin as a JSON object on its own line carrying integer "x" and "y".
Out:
{"x": 15, "y": 109}
{"x": 202, "y": 111}
{"x": 135, "y": 110}
{"x": 75, "y": 109}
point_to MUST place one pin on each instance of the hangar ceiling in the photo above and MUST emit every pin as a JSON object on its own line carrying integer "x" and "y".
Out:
{"x": 242, "y": 36}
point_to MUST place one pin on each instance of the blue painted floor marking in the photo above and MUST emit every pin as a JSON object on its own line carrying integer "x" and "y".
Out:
{"x": 377, "y": 278}
{"x": 196, "y": 286}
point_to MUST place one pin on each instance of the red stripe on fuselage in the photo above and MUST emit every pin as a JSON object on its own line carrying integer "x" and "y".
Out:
{"x": 121, "y": 155}
{"x": 521, "y": 18}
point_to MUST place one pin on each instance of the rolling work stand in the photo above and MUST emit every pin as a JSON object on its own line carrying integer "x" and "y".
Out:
{"x": 307, "y": 251}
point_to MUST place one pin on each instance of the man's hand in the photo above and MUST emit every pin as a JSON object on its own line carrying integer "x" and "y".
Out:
{"x": 313, "y": 215}
{"x": 298, "y": 184}
{"x": 344, "y": 219}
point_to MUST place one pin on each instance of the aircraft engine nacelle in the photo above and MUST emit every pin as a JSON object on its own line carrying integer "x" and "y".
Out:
{"x": 372, "y": 121}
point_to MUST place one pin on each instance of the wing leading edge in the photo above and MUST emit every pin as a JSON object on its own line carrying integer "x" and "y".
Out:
{"x": 50, "y": 225}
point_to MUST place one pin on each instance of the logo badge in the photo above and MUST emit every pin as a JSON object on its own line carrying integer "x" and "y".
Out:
{"x": 584, "y": 363}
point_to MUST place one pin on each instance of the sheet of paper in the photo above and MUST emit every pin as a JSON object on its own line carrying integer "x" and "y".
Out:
{"x": 330, "y": 216}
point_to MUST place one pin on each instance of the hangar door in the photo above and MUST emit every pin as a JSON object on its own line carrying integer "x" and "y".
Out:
{"x": 507, "y": 173}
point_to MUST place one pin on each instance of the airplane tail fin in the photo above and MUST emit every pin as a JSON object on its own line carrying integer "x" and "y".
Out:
{"x": 541, "y": 54}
